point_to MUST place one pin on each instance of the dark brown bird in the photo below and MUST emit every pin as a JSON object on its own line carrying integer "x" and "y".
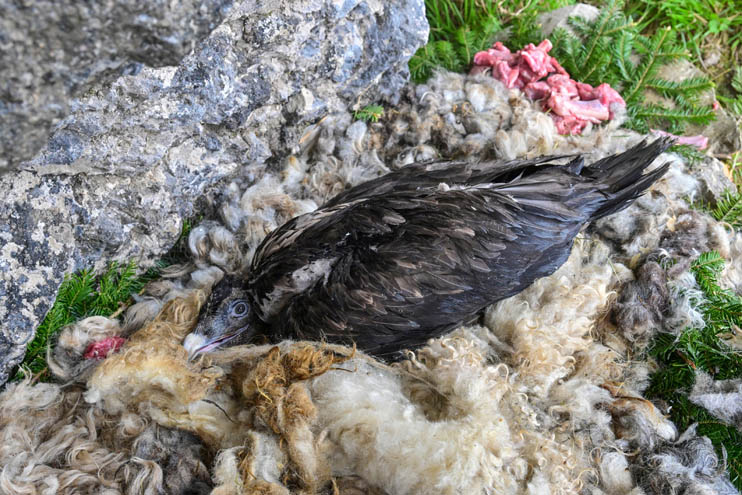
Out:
{"x": 411, "y": 255}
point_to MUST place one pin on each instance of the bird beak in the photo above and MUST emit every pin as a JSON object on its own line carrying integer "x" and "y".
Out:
{"x": 195, "y": 344}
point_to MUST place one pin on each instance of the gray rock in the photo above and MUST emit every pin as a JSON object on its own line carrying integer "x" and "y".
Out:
{"x": 713, "y": 179}
{"x": 558, "y": 18}
{"x": 53, "y": 51}
{"x": 137, "y": 154}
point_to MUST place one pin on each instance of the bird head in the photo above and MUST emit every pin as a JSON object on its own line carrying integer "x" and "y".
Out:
{"x": 225, "y": 318}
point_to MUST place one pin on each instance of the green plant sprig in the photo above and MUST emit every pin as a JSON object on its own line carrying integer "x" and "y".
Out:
{"x": 369, "y": 113}
{"x": 704, "y": 349}
{"x": 458, "y": 30}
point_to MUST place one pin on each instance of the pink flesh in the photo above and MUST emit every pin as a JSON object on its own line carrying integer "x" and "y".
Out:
{"x": 591, "y": 111}
{"x": 102, "y": 348}
{"x": 537, "y": 90}
{"x": 700, "y": 141}
{"x": 506, "y": 74}
{"x": 494, "y": 54}
{"x": 572, "y": 104}
{"x": 569, "y": 124}
{"x": 563, "y": 85}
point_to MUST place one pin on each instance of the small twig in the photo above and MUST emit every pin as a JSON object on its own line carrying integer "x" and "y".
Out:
{"x": 122, "y": 308}
{"x": 686, "y": 359}
{"x": 35, "y": 377}
{"x": 220, "y": 408}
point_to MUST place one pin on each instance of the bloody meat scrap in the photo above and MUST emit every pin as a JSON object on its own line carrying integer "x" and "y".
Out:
{"x": 102, "y": 348}
{"x": 572, "y": 104}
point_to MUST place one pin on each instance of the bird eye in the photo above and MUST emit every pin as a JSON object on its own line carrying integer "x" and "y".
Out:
{"x": 238, "y": 309}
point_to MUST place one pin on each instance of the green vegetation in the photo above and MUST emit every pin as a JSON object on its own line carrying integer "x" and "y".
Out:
{"x": 85, "y": 294}
{"x": 703, "y": 349}
{"x": 692, "y": 155}
{"x": 610, "y": 49}
{"x": 458, "y": 30}
{"x": 369, "y": 113}
{"x": 603, "y": 51}
{"x": 734, "y": 103}
{"x": 726, "y": 209}
{"x": 729, "y": 209}
{"x": 735, "y": 168}
{"x": 704, "y": 26}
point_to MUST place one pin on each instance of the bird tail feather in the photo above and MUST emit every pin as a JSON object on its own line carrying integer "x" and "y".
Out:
{"x": 623, "y": 174}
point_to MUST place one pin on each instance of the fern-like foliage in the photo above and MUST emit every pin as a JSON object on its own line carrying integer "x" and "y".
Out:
{"x": 588, "y": 56}
{"x": 611, "y": 49}
{"x": 705, "y": 349}
{"x": 729, "y": 209}
{"x": 691, "y": 155}
{"x": 458, "y": 30}
{"x": 369, "y": 113}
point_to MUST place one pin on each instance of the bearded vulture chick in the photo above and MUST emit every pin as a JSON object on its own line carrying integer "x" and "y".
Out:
{"x": 413, "y": 254}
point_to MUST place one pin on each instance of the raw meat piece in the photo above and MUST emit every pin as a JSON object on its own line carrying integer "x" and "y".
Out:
{"x": 102, "y": 348}
{"x": 572, "y": 104}
{"x": 700, "y": 141}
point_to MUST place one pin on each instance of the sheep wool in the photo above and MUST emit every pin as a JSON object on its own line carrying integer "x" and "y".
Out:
{"x": 542, "y": 396}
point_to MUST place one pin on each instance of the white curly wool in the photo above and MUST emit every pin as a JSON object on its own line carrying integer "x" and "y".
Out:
{"x": 723, "y": 398}
{"x": 267, "y": 461}
{"x": 548, "y": 323}
{"x": 732, "y": 275}
{"x": 375, "y": 431}
{"x": 614, "y": 471}
{"x": 51, "y": 442}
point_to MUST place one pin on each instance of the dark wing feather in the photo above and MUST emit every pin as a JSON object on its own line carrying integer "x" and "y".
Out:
{"x": 407, "y": 262}
{"x": 401, "y": 283}
{"x": 418, "y": 176}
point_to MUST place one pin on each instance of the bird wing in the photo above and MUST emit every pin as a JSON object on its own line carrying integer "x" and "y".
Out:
{"x": 418, "y": 176}
{"x": 409, "y": 265}
{"x": 401, "y": 259}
